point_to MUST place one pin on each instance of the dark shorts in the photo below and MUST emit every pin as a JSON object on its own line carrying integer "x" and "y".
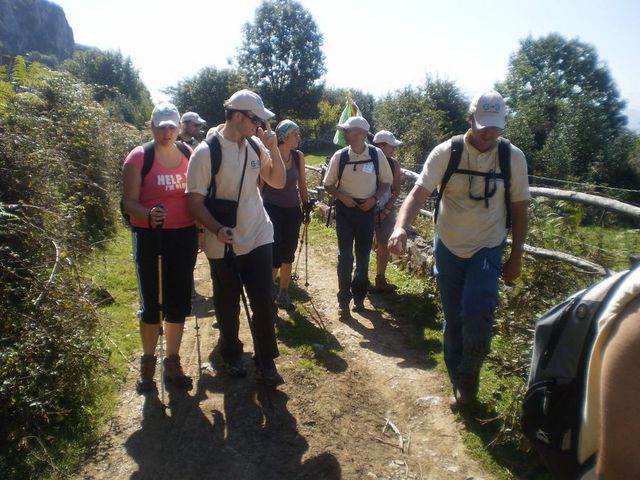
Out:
{"x": 286, "y": 231}
{"x": 179, "y": 248}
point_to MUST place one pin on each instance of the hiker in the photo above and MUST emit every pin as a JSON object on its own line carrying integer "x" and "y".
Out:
{"x": 159, "y": 217}
{"x": 610, "y": 429}
{"x": 283, "y": 207}
{"x": 471, "y": 234}
{"x": 190, "y": 126}
{"x": 358, "y": 176}
{"x": 385, "y": 216}
{"x": 240, "y": 247}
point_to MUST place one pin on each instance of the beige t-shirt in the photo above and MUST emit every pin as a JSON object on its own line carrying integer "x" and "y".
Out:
{"x": 254, "y": 227}
{"x": 466, "y": 225}
{"x": 361, "y": 181}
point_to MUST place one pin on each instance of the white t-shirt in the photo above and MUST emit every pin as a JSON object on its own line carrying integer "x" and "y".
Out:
{"x": 254, "y": 227}
{"x": 359, "y": 182}
{"x": 466, "y": 225}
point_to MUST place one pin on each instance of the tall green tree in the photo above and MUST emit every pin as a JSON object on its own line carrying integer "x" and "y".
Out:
{"x": 115, "y": 81}
{"x": 448, "y": 99}
{"x": 414, "y": 117}
{"x": 567, "y": 112}
{"x": 281, "y": 57}
{"x": 206, "y": 92}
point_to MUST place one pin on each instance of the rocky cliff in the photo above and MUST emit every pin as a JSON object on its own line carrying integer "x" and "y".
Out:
{"x": 34, "y": 25}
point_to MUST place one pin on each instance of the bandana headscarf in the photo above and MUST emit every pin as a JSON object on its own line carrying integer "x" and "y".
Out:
{"x": 284, "y": 128}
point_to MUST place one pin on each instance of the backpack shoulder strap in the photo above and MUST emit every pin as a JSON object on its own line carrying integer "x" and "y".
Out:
{"x": 344, "y": 158}
{"x": 215, "y": 153}
{"x": 504, "y": 159}
{"x": 457, "y": 144}
{"x": 149, "y": 154}
{"x": 183, "y": 148}
{"x": 373, "y": 154}
{"x": 254, "y": 145}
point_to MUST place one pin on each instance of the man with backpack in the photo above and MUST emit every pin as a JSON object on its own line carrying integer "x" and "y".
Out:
{"x": 482, "y": 192}
{"x": 222, "y": 192}
{"x": 190, "y": 126}
{"x": 358, "y": 176}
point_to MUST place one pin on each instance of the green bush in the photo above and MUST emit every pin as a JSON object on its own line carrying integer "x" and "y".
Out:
{"x": 60, "y": 154}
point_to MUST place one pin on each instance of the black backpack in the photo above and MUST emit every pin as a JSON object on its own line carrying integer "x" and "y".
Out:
{"x": 147, "y": 163}
{"x": 504, "y": 160}
{"x": 552, "y": 407}
{"x": 215, "y": 152}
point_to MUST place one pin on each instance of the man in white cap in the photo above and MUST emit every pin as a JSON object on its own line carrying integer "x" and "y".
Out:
{"x": 358, "y": 176}
{"x": 385, "y": 216}
{"x": 482, "y": 192}
{"x": 190, "y": 125}
{"x": 242, "y": 250}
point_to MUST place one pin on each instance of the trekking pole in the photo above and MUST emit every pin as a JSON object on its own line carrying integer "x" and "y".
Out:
{"x": 294, "y": 275}
{"x": 198, "y": 347}
{"x": 230, "y": 254}
{"x": 161, "y": 316}
{"x": 305, "y": 234}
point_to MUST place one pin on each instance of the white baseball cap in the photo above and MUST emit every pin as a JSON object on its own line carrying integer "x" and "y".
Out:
{"x": 192, "y": 117}
{"x": 248, "y": 101}
{"x": 355, "y": 122}
{"x": 385, "y": 136}
{"x": 165, "y": 114}
{"x": 488, "y": 110}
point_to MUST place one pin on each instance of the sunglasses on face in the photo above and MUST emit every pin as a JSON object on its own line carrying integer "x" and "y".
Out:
{"x": 255, "y": 120}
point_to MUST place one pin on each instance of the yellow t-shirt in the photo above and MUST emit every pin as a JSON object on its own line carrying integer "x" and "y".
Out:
{"x": 466, "y": 225}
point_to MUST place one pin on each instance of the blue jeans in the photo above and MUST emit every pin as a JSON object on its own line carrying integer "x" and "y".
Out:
{"x": 353, "y": 226}
{"x": 469, "y": 296}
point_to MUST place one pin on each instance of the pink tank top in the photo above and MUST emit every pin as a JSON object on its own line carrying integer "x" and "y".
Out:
{"x": 164, "y": 186}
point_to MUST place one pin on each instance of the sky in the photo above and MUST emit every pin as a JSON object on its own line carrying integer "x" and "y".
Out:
{"x": 377, "y": 46}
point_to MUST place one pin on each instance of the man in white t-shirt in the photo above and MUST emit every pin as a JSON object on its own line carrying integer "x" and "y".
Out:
{"x": 363, "y": 182}
{"x": 244, "y": 249}
{"x": 471, "y": 232}
{"x": 190, "y": 126}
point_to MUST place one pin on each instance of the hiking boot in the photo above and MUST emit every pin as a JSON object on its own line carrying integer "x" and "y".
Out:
{"x": 382, "y": 286}
{"x": 268, "y": 373}
{"x": 283, "y": 301}
{"x": 343, "y": 310}
{"x": 145, "y": 381}
{"x": 358, "y": 305}
{"x": 466, "y": 391}
{"x": 235, "y": 368}
{"x": 174, "y": 374}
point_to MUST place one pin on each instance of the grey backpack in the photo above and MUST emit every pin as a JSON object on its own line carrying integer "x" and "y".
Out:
{"x": 552, "y": 407}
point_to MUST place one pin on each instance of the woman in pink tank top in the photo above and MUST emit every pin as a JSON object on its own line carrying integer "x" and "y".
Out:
{"x": 162, "y": 226}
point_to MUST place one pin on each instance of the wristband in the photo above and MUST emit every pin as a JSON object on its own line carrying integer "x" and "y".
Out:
{"x": 201, "y": 230}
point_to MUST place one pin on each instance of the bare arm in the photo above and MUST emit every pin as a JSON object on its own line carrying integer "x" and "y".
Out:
{"x": 395, "y": 186}
{"x": 619, "y": 398}
{"x": 512, "y": 267}
{"x": 345, "y": 199}
{"x": 302, "y": 179}
{"x": 131, "y": 180}
{"x": 273, "y": 171}
{"x": 408, "y": 212}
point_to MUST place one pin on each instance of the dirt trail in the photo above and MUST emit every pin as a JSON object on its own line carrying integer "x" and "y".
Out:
{"x": 325, "y": 424}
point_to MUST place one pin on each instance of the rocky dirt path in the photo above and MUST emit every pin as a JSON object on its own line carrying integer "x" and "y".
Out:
{"x": 323, "y": 423}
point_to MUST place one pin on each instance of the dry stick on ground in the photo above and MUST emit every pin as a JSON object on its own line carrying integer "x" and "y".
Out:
{"x": 395, "y": 429}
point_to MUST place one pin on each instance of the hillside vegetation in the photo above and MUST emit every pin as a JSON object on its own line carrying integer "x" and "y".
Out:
{"x": 60, "y": 156}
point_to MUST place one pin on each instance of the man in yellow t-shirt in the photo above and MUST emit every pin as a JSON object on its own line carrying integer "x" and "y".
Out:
{"x": 471, "y": 232}
{"x": 363, "y": 182}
